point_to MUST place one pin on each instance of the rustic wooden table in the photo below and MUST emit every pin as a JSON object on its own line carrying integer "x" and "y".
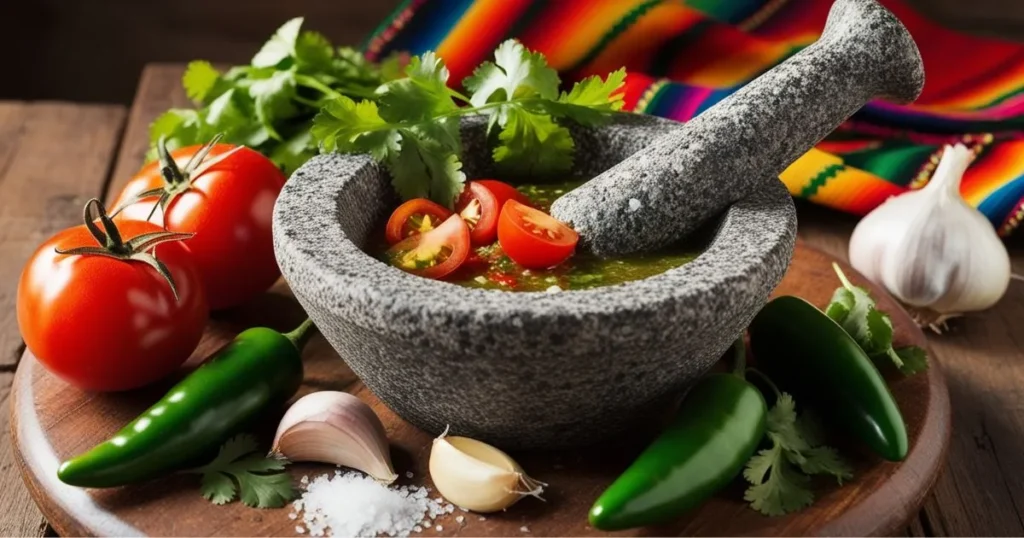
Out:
{"x": 55, "y": 156}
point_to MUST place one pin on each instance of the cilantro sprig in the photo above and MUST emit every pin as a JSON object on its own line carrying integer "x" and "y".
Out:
{"x": 239, "y": 470}
{"x": 269, "y": 104}
{"x": 412, "y": 124}
{"x": 854, "y": 309}
{"x": 780, "y": 475}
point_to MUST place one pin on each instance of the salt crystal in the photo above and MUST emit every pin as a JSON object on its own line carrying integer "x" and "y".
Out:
{"x": 524, "y": 528}
{"x": 450, "y": 508}
{"x": 304, "y": 480}
{"x": 293, "y": 515}
{"x": 408, "y": 474}
{"x": 482, "y": 518}
{"x": 460, "y": 519}
{"x": 439, "y": 528}
{"x": 353, "y": 504}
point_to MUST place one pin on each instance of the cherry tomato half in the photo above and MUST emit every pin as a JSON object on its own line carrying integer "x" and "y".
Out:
{"x": 105, "y": 324}
{"x": 478, "y": 206}
{"x": 413, "y": 218}
{"x": 433, "y": 254}
{"x": 503, "y": 191}
{"x": 533, "y": 238}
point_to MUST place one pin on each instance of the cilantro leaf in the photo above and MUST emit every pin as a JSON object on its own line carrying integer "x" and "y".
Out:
{"x": 199, "y": 80}
{"x": 423, "y": 100}
{"x": 346, "y": 126}
{"x": 281, "y": 45}
{"x": 424, "y": 159}
{"x": 853, "y": 308}
{"x": 779, "y": 476}
{"x": 913, "y": 359}
{"x": 515, "y": 72}
{"x": 313, "y": 52}
{"x": 533, "y": 144}
{"x": 273, "y": 98}
{"x": 590, "y": 99}
{"x": 239, "y": 471}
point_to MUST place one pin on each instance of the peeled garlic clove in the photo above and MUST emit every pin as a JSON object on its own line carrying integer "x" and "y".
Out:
{"x": 335, "y": 427}
{"x": 930, "y": 249}
{"x": 478, "y": 477}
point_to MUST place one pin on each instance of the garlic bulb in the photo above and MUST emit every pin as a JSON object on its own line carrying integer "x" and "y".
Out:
{"x": 478, "y": 477}
{"x": 335, "y": 427}
{"x": 932, "y": 250}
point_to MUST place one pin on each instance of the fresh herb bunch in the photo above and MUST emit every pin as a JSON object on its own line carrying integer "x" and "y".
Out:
{"x": 854, "y": 309}
{"x": 269, "y": 104}
{"x": 412, "y": 124}
{"x": 780, "y": 475}
{"x": 240, "y": 470}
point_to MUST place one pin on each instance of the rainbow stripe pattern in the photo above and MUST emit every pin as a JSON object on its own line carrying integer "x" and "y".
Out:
{"x": 684, "y": 56}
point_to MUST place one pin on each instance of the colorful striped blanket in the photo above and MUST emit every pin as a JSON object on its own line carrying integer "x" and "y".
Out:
{"x": 685, "y": 55}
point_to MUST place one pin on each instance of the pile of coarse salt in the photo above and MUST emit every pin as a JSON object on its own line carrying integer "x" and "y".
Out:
{"x": 353, "y": 504}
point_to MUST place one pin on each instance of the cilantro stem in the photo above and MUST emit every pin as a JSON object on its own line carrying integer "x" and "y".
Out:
{"x": 739, "y": 364}
{"x": 767, "y": 381}
{"x": 311, "y": 82}
{"x": 459, "y": 95}
{"x": 842, "y": 276}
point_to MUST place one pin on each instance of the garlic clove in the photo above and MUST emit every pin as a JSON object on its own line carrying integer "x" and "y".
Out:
{"x": 335, "y": 427}
{"x": 477, "y": 476}
{"x": 931, "y": 249}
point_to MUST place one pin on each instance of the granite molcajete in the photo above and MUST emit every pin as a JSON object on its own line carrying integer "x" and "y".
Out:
{"x": 522, "y": 370}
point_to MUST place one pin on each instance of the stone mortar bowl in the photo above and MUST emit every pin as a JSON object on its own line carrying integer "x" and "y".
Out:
{"x": 519, "y": 369}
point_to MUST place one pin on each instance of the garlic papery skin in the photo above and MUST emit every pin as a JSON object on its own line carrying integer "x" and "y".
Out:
{"x": 930, "y": 249}
{"x": 335, "y": 427}
{"x": 477, "y": 476}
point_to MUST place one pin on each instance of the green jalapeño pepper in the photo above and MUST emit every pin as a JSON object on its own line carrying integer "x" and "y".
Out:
{"x": 716, "y": 430}
{"x": 807, "y": 353}
{"x": 259, "y": 369}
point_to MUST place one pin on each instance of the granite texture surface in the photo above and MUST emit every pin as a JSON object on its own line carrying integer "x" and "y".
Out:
{"x": 744, "y": 142}
{"x": 523, "y": 370}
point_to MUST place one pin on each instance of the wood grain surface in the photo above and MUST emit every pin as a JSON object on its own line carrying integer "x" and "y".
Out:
{"x": 980, "y": 493}
{"x": 53, "y": 421}
{"x": 53, "y": 157}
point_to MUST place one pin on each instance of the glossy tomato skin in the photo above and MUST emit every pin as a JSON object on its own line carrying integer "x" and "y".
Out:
{"x": 397, "y": 227}
{"x": 479, "y": 208}
{"x": 108, "y": 325}
{"x": 503, "y": 192}
{"x": 533, "y": 238}
{"x": 229, "y": 208}
{"x": 452, "y": 234}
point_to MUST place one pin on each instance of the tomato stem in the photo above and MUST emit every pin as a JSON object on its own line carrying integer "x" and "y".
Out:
{"x": 739, "y": 349}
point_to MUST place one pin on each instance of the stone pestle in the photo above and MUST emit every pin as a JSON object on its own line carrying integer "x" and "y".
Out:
{"x": 668, "y": 189}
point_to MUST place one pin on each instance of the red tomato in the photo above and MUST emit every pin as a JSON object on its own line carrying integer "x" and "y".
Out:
{"x": 229, "y": 206}
{"x": 414, "y": 217}
{"x": 433, "y": 254}
{"x": 107, "y": 324}
{"x": 533, "y": 238}
{"x": 478, "y": 206}
{"x": 503, "y": 191}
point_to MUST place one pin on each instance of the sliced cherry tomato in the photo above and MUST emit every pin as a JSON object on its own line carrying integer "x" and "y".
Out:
{"x": 478, "y": 206}
{"x": 413, "y": 218}
{"x": 503, "y": 191}
{"x": 533, "y": 238}
{"x": 433, "y": 254}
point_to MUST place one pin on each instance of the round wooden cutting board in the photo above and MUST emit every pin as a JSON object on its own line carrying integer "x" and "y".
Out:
{"x": 52, "y": 420}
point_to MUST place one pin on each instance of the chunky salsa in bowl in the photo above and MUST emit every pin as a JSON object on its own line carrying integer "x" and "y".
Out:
{"x": 532, "y": 369}
{"x": 490, "y": 257}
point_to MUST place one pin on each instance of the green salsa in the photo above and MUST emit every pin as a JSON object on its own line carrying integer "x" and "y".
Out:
{"x": 489, "y": 268}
